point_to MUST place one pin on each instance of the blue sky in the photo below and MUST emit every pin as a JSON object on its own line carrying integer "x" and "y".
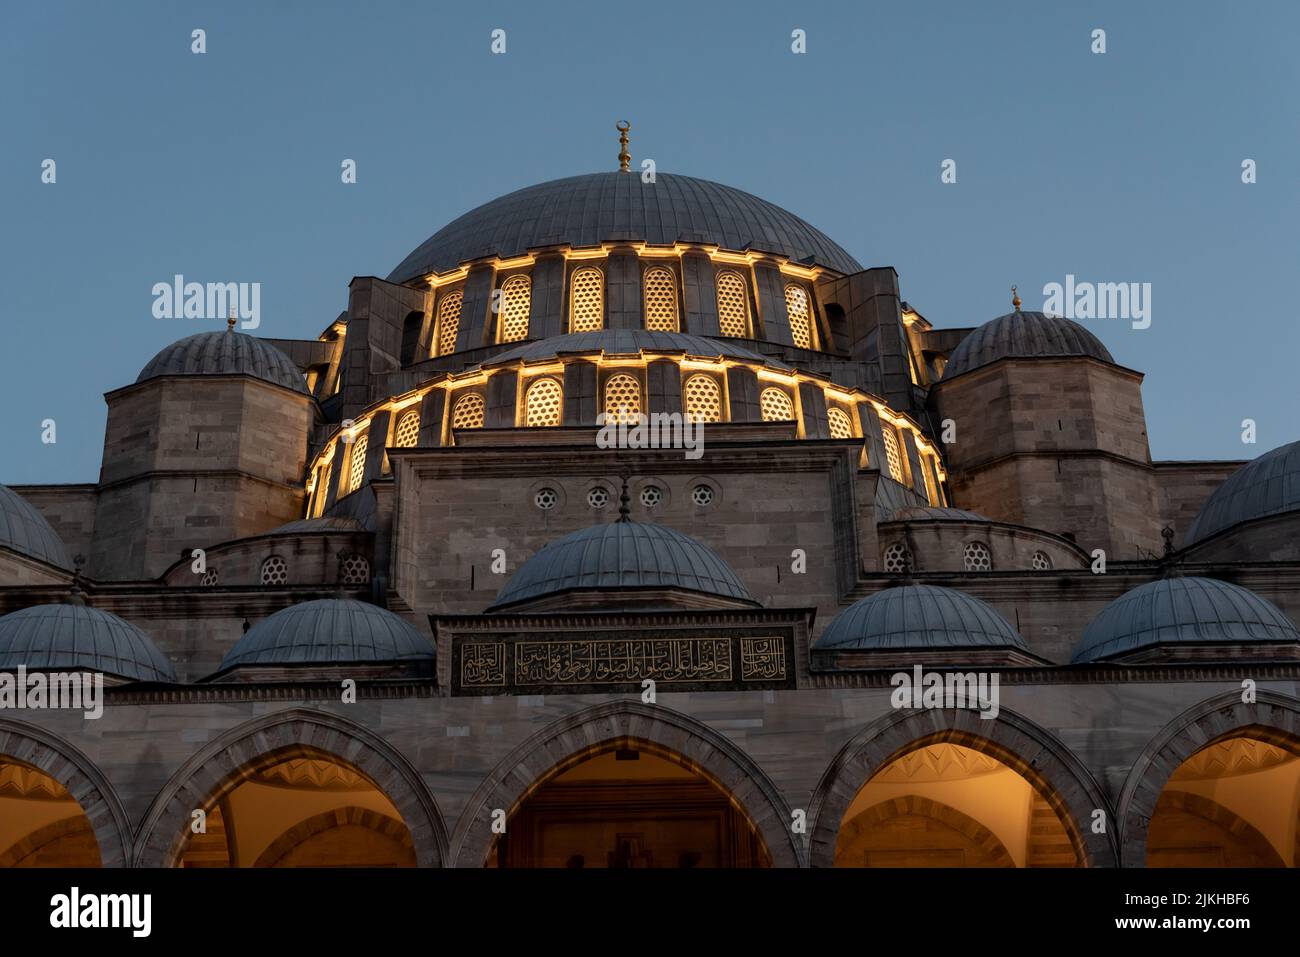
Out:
{"x": 1118, "y": 167}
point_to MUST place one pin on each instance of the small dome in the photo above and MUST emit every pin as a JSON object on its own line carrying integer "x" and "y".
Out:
{"x": 628, "y": 342}
{"x": 1182, "y": 611}
{"x": 25, "y": 530}
{"x": 226, "y": 353}
{"x": 593, "y": 208}
{"x": 325, "y": 523}
{"x": 69, "y": 637}
{"x": 1019, "y": 335}
{"x": 1268, "y": 485}
{"x": 914, "y": 617}
{"x": 622, "y": 555}
{"x": 930, "y": 513}
{"x": 329, "y": 631}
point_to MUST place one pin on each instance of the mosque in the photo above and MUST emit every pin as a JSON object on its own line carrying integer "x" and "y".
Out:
{"x": 381, "y": 598}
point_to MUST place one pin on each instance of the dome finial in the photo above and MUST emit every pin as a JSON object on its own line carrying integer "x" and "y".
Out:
{"x": 1015, "y": 299}
{"x": 230, "y": 321}
{"x": 624, "y": 157}
{"x": 75, "y": 595}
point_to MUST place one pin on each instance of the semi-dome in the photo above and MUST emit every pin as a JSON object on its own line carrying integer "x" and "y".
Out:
{"x": 329, "y": 631}
{"x": 1023, "y": 335}
{"x": 1268, "y": 485}
{"x": 623, "y": 342}
{"x": 25, "y": 530}
{"x": 1183, "y": 611}
{"x": 623, "y": 555}
{"x": 69, "y": 637}
{"x": 933, "y": 513}
{"x": 918, "y": 617}
{"x": 225, "y": 353}
{"x": 599, "y": 207}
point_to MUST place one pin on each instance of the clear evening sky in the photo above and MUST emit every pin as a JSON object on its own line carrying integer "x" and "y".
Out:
{"x": 1120, "y": 167}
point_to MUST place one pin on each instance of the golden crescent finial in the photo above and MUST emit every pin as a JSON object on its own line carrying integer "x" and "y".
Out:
{"x": 624, "y": 157}
{"x": 1015, "y": 299}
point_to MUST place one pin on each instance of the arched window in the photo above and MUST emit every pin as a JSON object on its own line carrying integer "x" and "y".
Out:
{"x": 660, "y": 298}
{"x": 516, "y": 300}
{"x": 622, "y": 398}
{"x": 356, "y": 570}
{"x": 586, "y": 300}
{"x": 1042, "y": 562}
{"x": 796, "y": 307}
{"x": 449, "y": 321}
{"x": 468, "y": 412}
{"x": 733, "y": 304}
{"x": 407, "y": 433}
{"x": 897, "y": 558}
{"x": 544, "y": 404}
{"x": 702, "y": 398}
{"x": 357, "y": 466}
{"x": 275, "y": 571}
{"x": 776, "y": 406}
{"x": 840, "y": 424}
{"x": 976, "y": 557}
{"x": 893, "y": 455}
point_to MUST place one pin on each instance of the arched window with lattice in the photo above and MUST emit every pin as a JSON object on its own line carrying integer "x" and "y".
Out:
{"x": 776, "y": 405}
{"x": 838, "y": 421}
{"x": 898, "y": 558}
{"x": 516, "y": 301}
{"x": 407, "y": 433}
{"x": 544, "y": 403}
{"x": 275, "y": 571}
{"x": 660, "y": 299}
{"x": 586, "y": 300}
{"x": 733, "y": 304}
{"x": 357, "y": 461}
{"x": 468, "y": 411}
{"x": 893, "y": 453}
{"x": 976, "y": 557}
{"x": 800, "y": 313}
{"x": 449, "y": 321}
{"x": 622, "y": 398}
{"x": 702, "y": 398}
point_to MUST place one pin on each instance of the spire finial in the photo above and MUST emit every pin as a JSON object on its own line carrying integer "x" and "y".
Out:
{"x": 624, "y": 512}
{"x": 1015, "y": 299}
{"x": 231, "y": 320}
{"x": 75, "y": 595}
{"x": 624, "y": 157}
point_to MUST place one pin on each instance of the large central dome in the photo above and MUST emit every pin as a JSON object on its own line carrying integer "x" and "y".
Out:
{"x": 601, "y": 207}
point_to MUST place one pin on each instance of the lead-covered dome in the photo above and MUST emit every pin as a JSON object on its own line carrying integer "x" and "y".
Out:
{"x": 1023, "y": 335}
{"x": 623, "y": 555}
{"x": 599, "y": 207}
{"x": 919, "y": 617}
{"x": 225, "y": 353}
{"x": 1268, "y": 485}
{"x": 69, "y": 637}
{"x": 1183, "y": 611}
{"x": 25, "y": 530}
{"x": 329, "y": 631}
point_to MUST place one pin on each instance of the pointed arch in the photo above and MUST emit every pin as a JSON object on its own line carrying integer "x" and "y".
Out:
{"x": 1030, "y": 750}
{"x": 574, "y": 737}
{"x": 246, "y": 749}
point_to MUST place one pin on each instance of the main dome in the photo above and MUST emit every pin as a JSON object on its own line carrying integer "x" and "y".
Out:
{"x": 599, "y": 207}
{"x": 1021, "y": 335}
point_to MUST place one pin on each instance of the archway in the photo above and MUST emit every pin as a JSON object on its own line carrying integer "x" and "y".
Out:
{"x": 1214, "y": 751}
{"x": 595, "y": 750}
{"x": 946, "y": 805}
{"x": 957, "y": 762}
{"x": 301, "y": 787}
{"x": 56, "y": 808}
{"x": 1234, "y": 803}
{"x": 629, "y": 804}
{"x": 300, "y": 807}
